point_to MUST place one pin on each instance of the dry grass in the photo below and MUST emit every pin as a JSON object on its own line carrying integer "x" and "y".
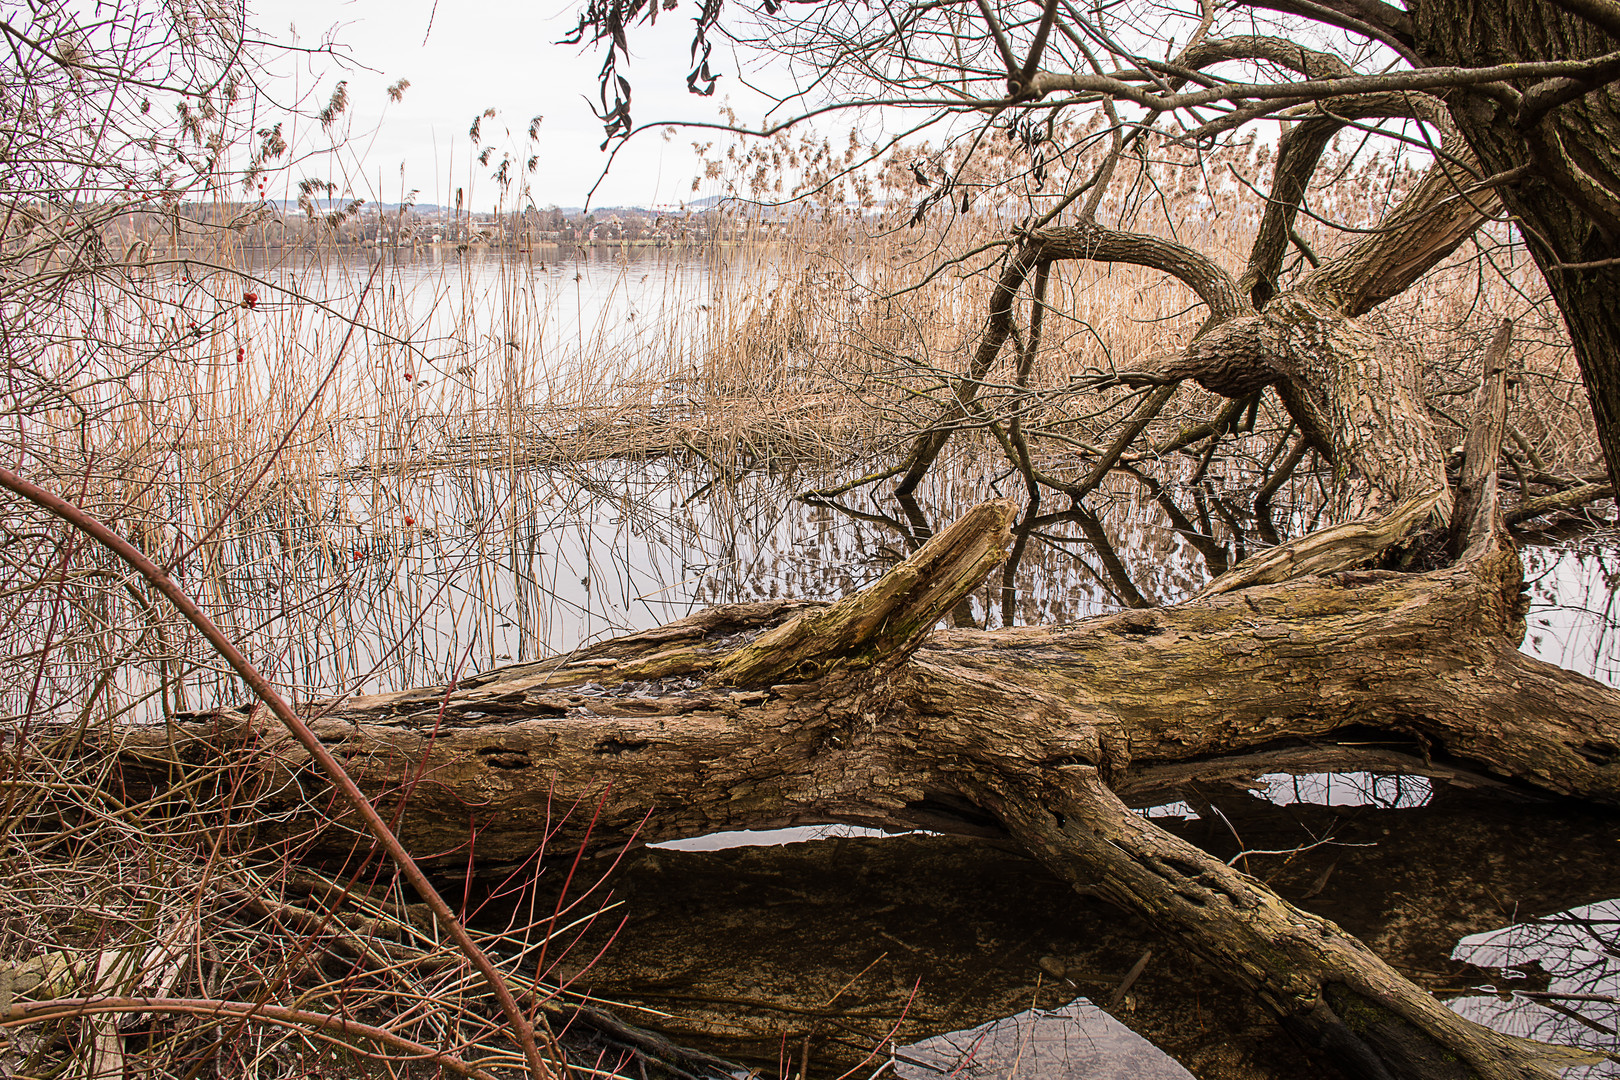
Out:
{"x": 153, "y": 931}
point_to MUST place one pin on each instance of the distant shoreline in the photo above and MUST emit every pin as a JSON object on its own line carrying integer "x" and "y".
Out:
{"x": 462, "y": 247}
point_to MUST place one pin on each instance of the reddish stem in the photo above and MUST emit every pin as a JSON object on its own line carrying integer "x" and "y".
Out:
{"x": 522, "y": 1031}
{"x": 35, "y": 1012}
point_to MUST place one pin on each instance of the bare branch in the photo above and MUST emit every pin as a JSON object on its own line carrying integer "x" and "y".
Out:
{"x": 1298, "y": 152}
{"x": 1371, "y": 18}
{"x": 1494, "y": 78}
{"x": 1002, "y": 44}
{"x": 1200, "y": 273}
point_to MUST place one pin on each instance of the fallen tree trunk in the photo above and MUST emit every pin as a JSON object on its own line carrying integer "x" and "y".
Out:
{"x": 763, "y": 715}
{"x": 1324, "y": 985}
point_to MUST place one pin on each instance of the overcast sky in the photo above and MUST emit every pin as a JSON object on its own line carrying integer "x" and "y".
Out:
{"x": 469, "y": 55}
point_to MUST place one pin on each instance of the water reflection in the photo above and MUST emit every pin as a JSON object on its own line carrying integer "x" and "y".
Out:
{"x": 1391, "y": 792}
{"x": 1556, "y": 979}
{"x": 410, "y": 579}
{"x": 1078, "y": 1041}
{"x": 797, "y": 834}
{"x": 1573, "y": 608}
{"x": 961, "y": 954}
{"x": 1177, "y": 809}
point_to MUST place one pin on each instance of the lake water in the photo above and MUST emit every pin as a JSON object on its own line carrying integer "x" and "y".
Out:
{"x": 461, "y": 310}
{"x": 504, "y": 566}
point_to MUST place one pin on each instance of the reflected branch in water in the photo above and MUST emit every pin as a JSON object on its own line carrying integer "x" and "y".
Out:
{"x": 1009, "y": 569}
{"x": 914, "y": 533}
{"x": 921, "y": 530}
{"x": 1124, "y": 589}
{"x": 1274, "y": 483}
{"x": 1215, "y": 555}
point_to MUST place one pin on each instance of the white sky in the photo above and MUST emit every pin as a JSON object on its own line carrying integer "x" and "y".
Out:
{"x": 487, "y": 54}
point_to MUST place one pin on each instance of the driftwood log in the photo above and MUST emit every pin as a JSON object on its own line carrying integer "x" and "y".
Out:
{"x": 771, "y": 714}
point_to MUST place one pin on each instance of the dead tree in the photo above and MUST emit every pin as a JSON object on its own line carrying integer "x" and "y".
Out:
{"x": 770, "y": 714}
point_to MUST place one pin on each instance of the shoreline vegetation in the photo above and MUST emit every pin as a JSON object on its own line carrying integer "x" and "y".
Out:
{"x": 817, "y": 303}
{"x": 142, "y": 230}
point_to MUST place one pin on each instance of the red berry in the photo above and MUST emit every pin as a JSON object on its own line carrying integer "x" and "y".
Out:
{"x": 358, "y": 555}
{"x": 409, "y": 520}
{"x": 241, "y": 353}
{"x": 408, "y": 376}
{"x": 250, "y": 300}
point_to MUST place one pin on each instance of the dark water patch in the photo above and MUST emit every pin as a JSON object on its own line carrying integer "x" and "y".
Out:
{"x": 854, "y": 947}
{"x": 858, "y": 944}
{"x": 1412, "y": 880}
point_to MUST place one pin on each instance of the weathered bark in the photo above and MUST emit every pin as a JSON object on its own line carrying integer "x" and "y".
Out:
{"x": 1352, "y": 397}
{"x": 1009, "y": 733}
{"x": 1568, "y": 499}
{"x": 887, "y": 621}
{"x": 1566, "y": 195}
{"x": 1337, "y": 547}
{"x": 1475, "y": 511}
{"x": 1325, "y": 986}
